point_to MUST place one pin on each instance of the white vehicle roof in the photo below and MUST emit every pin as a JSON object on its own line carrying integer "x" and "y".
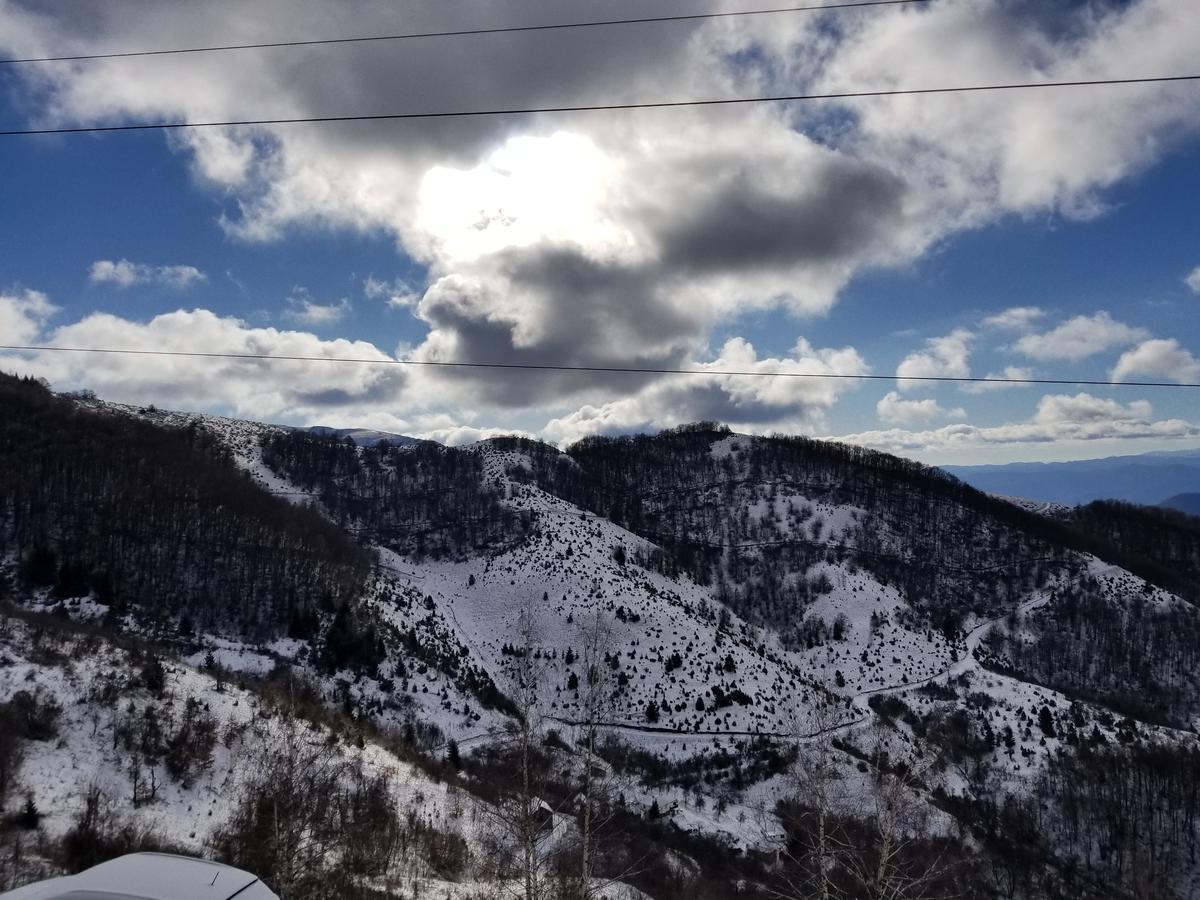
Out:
{"x": 149, "y": 876}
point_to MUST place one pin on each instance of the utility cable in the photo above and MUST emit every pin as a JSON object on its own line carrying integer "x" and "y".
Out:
{"x": 462, "y": 32}
{"x": 600, "y": 107}
{"x": 632, "y": 370}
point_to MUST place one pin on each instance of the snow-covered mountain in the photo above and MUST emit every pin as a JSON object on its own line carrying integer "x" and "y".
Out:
{"x": 364, "y": 436}
{"x": 727, "y": 633}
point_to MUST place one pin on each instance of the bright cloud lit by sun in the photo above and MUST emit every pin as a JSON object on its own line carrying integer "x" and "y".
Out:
{"x": 530, "y": 190}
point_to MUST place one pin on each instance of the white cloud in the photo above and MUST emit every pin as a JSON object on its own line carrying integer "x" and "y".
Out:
{"x": 1193, "y": 279}
{"x": 1015, "y": 318}
{"x": 293, "y": 390}
{"x": 546, "y": 252}
{"x": 894, "y": 410}
{"x": 747, "y": 402}
{"x": 1084, "y": 407}
{"x": 1157, "y": 358}
{"x": 397, "y": 293}
{"x": 23, "y": 315}
{"x": 1058, "y": 418}
{"x": 1034, "y": 150}
{"x": 306, "y": 311}
{"x": 943, "y": 357}
{"x": 124, "y": 273}
{"x": 1014, "y": 374}
{"x": 1079, "y": 338}
{"x": 431, "y": 426}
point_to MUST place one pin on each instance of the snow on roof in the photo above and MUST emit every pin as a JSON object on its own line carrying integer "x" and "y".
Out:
{"x": 150, "y": 876}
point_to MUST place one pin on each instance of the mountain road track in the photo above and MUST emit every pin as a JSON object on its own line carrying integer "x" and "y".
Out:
{"x": 859, "y": 702}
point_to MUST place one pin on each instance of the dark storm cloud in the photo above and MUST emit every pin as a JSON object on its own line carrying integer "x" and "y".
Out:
{"x": 559, "y": 67}
{"x": 582, "y": 312}
{"x": 601, "y": 297}
{"x": 386, "y": 388}
{"x": 842, "y": 211}
{"x": 712, "y": 401}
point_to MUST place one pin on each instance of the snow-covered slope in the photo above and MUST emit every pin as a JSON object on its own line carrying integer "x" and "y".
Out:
{"x": 757, "y": 598}
{"x": 99, "y": 712}
{"x": 99, "y": 731}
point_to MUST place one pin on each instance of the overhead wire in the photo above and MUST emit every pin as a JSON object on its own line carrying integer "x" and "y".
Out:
{"x": 598, "y": 107}
{"x": 563, "y": 367}
{"x": 461, "y": 32}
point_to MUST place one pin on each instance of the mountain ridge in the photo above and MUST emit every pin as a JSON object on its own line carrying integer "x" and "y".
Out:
{"x": 761, "y": 600}
{"x": 1186, "y": 503}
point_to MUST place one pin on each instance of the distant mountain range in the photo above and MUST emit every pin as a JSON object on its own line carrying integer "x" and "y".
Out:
{"x": 1187, "y": 503}
{"x": 1149, "y": 478}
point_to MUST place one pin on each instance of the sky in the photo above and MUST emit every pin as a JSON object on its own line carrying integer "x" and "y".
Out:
{"x": 1047, "y": 234}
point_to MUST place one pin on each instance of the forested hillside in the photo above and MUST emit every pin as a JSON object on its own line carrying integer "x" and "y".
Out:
{"x": 158, "y": 522}
{"x": 753, "y": 516}
{"x": 952, "y": 549}
{"x": 1163, "y": 543}
{"x": 417, "y": 498}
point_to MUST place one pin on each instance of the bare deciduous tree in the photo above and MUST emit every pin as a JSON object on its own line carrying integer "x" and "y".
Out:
{"x": 849, "y": 838}
{"x": 521, "y": 816}
{"x": 810, "y": 817}
{"x": 595, "y": 638}
{"x": 887, "y": 863}
{"x": 282, "y": 829}
{"x": 12, "y": 753}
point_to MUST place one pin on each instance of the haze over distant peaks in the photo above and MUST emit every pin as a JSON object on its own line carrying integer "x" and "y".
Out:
{"x": 1187, "y": 503}
{"x": 1147, "y": 478}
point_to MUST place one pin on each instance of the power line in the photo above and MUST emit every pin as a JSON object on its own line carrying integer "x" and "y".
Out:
{"x": 464, "y": 32}
{"x": 604, "y": 107}
{"x": 631, "y": 370}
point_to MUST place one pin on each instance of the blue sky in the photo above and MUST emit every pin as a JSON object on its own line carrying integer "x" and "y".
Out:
{"x": 131, "y": 196}
{"x": 857, "y": 240}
